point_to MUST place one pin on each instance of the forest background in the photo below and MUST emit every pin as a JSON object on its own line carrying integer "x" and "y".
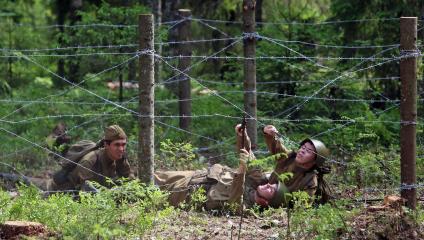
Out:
{"x": 348, "y": 50}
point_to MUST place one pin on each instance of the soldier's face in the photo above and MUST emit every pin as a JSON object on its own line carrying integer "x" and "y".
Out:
{"x": 116, "y": 149}
{"x": 306, "y": 154}
{"x": 266, "y": 191}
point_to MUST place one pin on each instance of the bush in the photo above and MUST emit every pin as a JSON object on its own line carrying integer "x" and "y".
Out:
{"x": 125, "y": 211}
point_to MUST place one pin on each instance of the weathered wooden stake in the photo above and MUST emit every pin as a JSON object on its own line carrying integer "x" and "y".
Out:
{"x": 249, "y": 44}
{"x": 408, "y": 108}
{"x": 184, "y": 85}
{"x": 146, "y": 100}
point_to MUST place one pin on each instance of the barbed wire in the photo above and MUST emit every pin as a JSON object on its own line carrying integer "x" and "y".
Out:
{"x": 403, "y": 186}
{"x": 112, "y": 104}
{"x": 51, "y": 152}
{"x": 335, "y": 46}
{"x": 212, "y": 115}
{"x": 299, "y": 23}
{"x": 350, "y": 71}
{"x": 226, "y": 100}
{"x": 91, "y": 25}
{"x": 75, "y": 85}
{"x": 297, "y": 81}
{"x": 111, "y": 46}
{"x": 353, "y": 121}
{"x": 296, "y": 67}
{"x": 73, "y": 54}
{"x": 199, "y": 41}
{"x": 68, "y": 48}
{"x": 317, "y": 98}
{"x": 133, "y": 101}
{"x": 11, "y": 101}
{"x": 207, "y": 25}
{"x": 232, "y": 57}
{"x": 202, "y": 20}
{"x": 296, "y": 52}
{"x": 5, "y": 155}
{"x": 172, "y": 79}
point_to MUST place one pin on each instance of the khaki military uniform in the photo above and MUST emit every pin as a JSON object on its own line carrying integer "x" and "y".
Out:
{"x": 302, "y": 180}
{"x": 97, "y": 161}
{"x": 222, "y": 184}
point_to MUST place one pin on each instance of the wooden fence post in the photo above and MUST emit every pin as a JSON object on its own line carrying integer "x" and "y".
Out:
{"x": 408, "y": 109}
{"x": 249, "y": 44}
{"x": 146, "y": 101}
{"x": 184, "y": 84}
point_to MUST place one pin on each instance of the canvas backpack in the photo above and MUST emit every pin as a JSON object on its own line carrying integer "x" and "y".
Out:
{"x": 72, "y": 157}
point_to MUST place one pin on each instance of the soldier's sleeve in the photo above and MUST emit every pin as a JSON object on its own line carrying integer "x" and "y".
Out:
{"x": 239, "y": 141}
{"x": 274, "y": 146}
{"x": 83, "y": 171}
{"x": 123, "y": 169}
{"x": 237, "y": 186}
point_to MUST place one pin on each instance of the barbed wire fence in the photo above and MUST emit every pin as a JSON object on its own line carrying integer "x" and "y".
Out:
{"x": 212, "y": 88}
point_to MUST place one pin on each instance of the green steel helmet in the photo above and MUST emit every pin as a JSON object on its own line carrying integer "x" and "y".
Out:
{"x": 322, "y": 151}
{"x": 280, "y": 198}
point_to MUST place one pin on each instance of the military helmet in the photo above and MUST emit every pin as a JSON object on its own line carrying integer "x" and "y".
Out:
{"x": 280, "y": 196}
{"x": 321, "y": 150}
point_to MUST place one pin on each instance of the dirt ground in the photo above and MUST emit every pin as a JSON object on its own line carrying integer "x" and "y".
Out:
{"x": 384, "y": 224}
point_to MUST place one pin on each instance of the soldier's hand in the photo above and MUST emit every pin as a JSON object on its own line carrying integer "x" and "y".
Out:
{"x": 244, "y": 158}
{"x": 88, "y": 187}
{"x": 239, "y": 131}
{"x": 270, "y": 130}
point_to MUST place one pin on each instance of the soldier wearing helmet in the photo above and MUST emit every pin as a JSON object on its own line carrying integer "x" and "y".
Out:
{"x": 304, "y": 164}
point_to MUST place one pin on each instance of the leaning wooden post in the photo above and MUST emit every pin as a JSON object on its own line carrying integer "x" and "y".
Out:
{"x": 184, "y": 85}
{"x": 146, "y": 100}
{"x": 249, "y": 44}
{"x": 408, "y": 109}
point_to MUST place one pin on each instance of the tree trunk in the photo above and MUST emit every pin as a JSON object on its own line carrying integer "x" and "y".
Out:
{"x": 169, "y": 9}
{"x": 62, "y": 7}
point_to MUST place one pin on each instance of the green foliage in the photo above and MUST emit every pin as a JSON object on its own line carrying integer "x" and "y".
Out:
{"x": 364, "y": 134}
{"x": 267, "y": 162}
{"x": 285, "y": 176}
{"x": 324, "y": 222}
{"x": 198, "y": 198}
{"x": 124, "y": 212}
{"x": 176, "y": 156}
{"x": 370, "y": 168}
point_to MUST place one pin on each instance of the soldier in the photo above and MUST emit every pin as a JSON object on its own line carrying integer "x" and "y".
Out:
{"x": 107, "y": 161}
{"x": 94, "y": 163}
{"x": 222, "y": 184}
{"x": 225, "y": 185}
{"x": 306, "y": 164}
